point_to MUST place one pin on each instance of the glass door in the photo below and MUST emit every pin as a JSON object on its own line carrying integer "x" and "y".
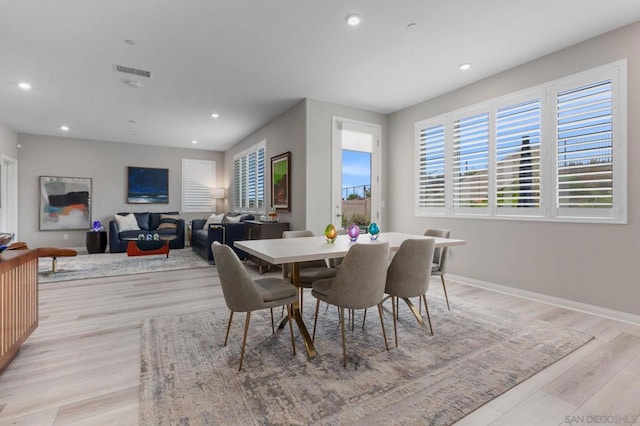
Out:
{"x": 356, "y": 173}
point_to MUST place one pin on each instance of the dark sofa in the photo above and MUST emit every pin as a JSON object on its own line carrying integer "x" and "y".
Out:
{"x": 224, "y": 233}
{"x": 148, "y": 224}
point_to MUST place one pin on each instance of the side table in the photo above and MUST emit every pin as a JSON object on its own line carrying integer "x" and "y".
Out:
{"x": 96, "y": 241}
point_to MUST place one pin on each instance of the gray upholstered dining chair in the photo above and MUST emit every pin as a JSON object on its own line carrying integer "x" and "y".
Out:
{"x": 243, "y": 294}
{"x": 310, "y": 271}
{"x": 440, "y": 255}
{"x": 359, "y": 284}
{"x": 408, "y": 276}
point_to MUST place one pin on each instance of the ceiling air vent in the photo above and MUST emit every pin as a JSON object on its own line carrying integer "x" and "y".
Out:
{"x": 134, "y": 71}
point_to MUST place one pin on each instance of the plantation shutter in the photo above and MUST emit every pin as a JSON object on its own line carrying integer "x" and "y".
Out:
{"x": 518, "y": 155}
{"x": 198, "y": 179}
{"x": 248, "y": 179}
{"x": 471, "y": 161}
{"x": 585, "y": 147}
{"x": 431, "y": 167}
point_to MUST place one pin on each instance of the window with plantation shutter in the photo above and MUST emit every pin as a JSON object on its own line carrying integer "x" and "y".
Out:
{"x": 431, "y": 166}
{"x": 518, "y": 134}
{"x": 585, "y": 147}
{"x": 198, "y": 179}
{"x": 248, "y": 179}
{"x": 471, "y": 161}
{"x": 554, "y": 152}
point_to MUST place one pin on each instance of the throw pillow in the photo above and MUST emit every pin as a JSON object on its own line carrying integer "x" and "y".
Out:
{"x": 232, "y": 219}
{"x": 127, "y": 223}
{"x": 213, "y": 219}
{"x": 168, "y": 221}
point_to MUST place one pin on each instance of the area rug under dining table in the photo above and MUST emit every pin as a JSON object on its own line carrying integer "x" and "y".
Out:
{"x": 476, "y": 354}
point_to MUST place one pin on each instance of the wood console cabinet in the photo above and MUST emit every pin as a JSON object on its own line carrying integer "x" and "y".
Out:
{"x": 18, "y": 301}
{"x": 256, "y": 230}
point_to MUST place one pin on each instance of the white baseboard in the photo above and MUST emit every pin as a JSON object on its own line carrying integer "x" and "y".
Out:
{"x": 550, "y": 300}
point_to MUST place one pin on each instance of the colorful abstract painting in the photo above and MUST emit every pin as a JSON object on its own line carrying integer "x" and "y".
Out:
{"x": 65, "y": 203}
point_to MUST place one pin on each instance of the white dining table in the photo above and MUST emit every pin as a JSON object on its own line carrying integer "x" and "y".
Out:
{"x": 294, "y": 250}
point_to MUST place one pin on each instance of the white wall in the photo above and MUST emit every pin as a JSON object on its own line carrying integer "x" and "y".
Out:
{"x": 106, "y": 164}
{"x": 589, "y": 263}
{"x": 318, "y": 161}
{"x": 8, "y": 142}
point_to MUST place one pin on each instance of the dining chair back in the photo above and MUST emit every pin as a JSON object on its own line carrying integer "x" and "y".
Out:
{"x": 440, "y": 256}
{"x": 408, "y": 276}
{"x": 244, "y": 294}
{"x": 358, "y": 284}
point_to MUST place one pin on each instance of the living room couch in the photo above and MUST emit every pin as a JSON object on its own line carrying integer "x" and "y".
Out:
{"x": 148, "y": 224}
{"x": 225, "y": 232}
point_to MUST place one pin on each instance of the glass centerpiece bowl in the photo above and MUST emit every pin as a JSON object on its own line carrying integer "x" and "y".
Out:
{"x": 353, "y": 231}
{"x": 373, "y": 230}
{"x": 5, "y": 239}
{"x": 330, "y": 233}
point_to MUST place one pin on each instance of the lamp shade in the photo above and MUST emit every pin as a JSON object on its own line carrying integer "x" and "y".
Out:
{"x": 217, "y": 193}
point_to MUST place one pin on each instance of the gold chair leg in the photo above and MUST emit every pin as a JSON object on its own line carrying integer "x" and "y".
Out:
{"x": 426, "y": 307}
{"x": 273, "y": 327}
{"x": 289, "y": 314}
{"x": 228, "y": 328}
{"x": 344, "y": 346}
{"x": 395, "y": 329}
{"x": 445, "y": 291}
{"x": 315, "y": 321}
{"x": 244, "y": 339}
{"x": 384, "y": 333}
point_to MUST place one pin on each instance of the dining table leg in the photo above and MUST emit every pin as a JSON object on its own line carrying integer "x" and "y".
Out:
{"x": 297, "y": 314}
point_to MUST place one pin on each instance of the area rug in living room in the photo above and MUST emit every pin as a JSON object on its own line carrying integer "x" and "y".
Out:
{"x": 113, "y": 264}
{"x": 476, "y": 354}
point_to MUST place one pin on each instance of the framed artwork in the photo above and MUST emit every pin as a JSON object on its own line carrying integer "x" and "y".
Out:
{"x": 65, "y": 203}
{"x": 147, "y": 185}
{"x": 281, "y": 182}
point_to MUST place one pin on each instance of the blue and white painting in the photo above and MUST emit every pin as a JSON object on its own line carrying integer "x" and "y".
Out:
{"x": 148, "y": 185}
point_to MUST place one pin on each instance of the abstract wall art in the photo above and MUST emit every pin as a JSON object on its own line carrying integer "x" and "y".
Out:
{"x": 65, "y": 203}
{"x": 147, "y": 185}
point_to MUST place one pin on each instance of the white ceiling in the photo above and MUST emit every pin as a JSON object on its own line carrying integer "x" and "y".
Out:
{"x": 251, "y": 60}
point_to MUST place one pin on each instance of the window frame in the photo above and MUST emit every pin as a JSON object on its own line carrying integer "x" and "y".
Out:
{"x": 548, "y": 210}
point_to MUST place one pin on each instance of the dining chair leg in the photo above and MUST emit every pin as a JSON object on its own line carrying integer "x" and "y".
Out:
{"x": 244, "y": 339}
{"x": 445, "y": 292}
{"x": 395, "y": 329}
{"x": 420, "y": 305}
{"x": 426, "y": 307}
{"x": 344, "y": 346}
{"x": 364, "y": 318}
{"x": 397, "y": 307}
{"x": 273, "y": 327}
{"x": 315, "y": 321}
{"x": 289, "y": 316}
{"x": 384, "y": 333}
{"x": 228, "y": 328}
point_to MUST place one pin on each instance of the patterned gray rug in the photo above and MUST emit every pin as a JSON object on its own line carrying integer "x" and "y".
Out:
{"x": 112, "y": 264}
{"x": 476, "y": 354}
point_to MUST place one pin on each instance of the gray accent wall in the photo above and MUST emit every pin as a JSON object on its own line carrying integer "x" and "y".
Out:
{"x": 594, "y": 264}
{"x": 106, "y": 164}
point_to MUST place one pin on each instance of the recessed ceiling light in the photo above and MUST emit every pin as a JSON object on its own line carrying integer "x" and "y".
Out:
{"x": 64, "y": 128}
{"x": 353, "y": 19}
{"x": 465, "y": 66}
{"x": 24, "y": 85}
{"x": 215, "y": 115}
{"x": 130, "y": 42}
{"x": 194, "y": 141}
{"x": 411, "y": 26}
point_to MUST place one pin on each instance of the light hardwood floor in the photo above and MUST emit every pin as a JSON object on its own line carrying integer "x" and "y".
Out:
{"x": 82, "y": 364}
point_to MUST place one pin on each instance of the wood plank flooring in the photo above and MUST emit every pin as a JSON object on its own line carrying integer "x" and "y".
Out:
{"x": 82, "y": 365}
